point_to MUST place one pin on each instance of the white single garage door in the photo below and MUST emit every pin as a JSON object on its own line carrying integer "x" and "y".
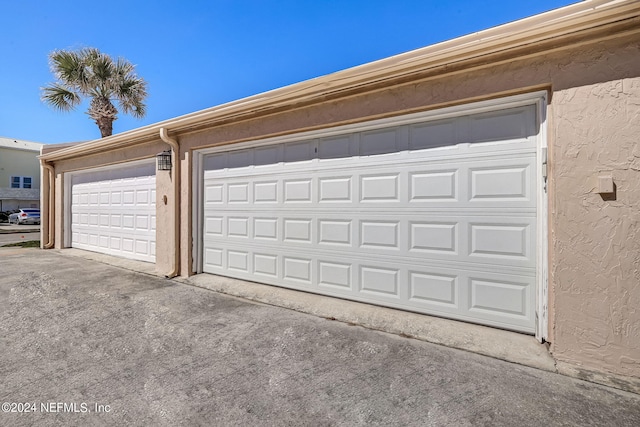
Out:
{"x": 437, "y": 217}
{"x": 113, "y": 211}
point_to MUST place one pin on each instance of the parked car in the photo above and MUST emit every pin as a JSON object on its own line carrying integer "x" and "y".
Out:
{"x": 25, "y": 216}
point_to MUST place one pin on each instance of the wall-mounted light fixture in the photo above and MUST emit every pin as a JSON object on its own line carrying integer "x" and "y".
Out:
{"x": 163, "y": 160}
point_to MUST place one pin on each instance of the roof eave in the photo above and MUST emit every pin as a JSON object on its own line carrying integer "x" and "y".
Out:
{"x": 554, "y": 24}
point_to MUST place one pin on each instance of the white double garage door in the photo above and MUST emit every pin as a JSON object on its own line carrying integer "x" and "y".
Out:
{"x": 437, "y": 217}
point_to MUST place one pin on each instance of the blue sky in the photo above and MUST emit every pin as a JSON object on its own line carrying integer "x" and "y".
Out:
{"x": 196, "y": 54}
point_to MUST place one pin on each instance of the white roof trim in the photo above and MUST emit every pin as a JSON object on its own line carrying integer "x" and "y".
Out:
{"x": 20, "y": 145}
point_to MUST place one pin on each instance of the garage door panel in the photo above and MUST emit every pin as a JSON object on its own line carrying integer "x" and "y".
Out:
{"x": 378, "y": 280}
{"x": 332, "y": 189}
{"x": 238, "y": 193}
{"x": 297, "y": 269}
{"x": 500, "y": 300}
{"x": 438, "y": 218}
{"x": 442, "y": 133}
{"x": 331, "y": 254}
{"x": 115, "y": 243}
{"x": 335, "y": 232}
{"x": 213, "y": 225}
{"x": 501, "y": 297}
{"x": 128, "y": 198}
{"x": 267, "y": 155}
{"x": 265, "y": 264}
{"x": 127, "y": 245}
{"x": 115, "y": 216}
{"x": 505, "y": 183}
{"x": 515, "y": 124}
{"x": 379, "y": 234}
{"x": 382, "y": 187}
{"x": 265, "y": 192}
{"x": 238, "y": 227}
{"x": 297, "y": 191}
{"x": 435, "y": 186}
{"x": 461, "y": 154}
{"x": 489, "y": 184}
{"x": 478, "y": 239}
{"x": 383, "y": 141}
{"x": 501, "y": 240}
{"x": 296, "y": 152}
{"x": 265, "y": 228}
{"x": 428, "y": 288}
{"x": 241, "y": 158}
{"x": 213, "y": 259}
{"x": 213, "y": 194}
{"x": 238, "y": 260}
{"x": 434, "y": 237}
{"x": 336, "y": 275}
{"x": 297, "y": 230}
{"x": 335, "y": 147}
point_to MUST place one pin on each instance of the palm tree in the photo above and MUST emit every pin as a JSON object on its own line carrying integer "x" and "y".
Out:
{"x": 89, "y": 73}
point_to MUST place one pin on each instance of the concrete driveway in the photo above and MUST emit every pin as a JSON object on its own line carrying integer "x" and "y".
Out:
{"x": 91, "y": 344}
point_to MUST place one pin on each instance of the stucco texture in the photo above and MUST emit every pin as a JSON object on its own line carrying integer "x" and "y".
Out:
{"x": 596, "y": 238}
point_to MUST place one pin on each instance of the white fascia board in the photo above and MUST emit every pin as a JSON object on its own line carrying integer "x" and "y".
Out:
{"x": 17, "y": 144}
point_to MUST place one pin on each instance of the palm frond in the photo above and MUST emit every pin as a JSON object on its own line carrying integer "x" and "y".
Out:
{"x": 68, "y": 67}
{"x": 124, "y": 68}
{"x": 102, "y": 73}
{"x": 60, "y": 97}
{"x": 131, "y": 93}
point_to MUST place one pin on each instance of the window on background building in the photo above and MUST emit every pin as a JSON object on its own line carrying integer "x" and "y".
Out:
{"x": 21, "y": 182}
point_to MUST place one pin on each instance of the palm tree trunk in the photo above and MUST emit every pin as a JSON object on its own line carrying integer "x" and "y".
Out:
{"x": 105, "y": 124}
{"x": 104, "y": 113}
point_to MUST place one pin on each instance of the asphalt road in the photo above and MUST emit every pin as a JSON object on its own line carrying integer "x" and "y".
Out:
{"x": 91, "y": 344}
{"x": 18, "y": 237}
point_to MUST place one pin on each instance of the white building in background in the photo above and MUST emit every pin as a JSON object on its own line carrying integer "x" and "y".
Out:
{"x": 19, "y": 174}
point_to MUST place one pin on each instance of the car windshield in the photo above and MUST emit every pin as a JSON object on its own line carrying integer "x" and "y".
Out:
{"x": 31, "y": 210}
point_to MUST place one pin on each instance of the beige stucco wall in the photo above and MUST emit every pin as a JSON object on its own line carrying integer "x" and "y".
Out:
{"x": 593, "y": 119}
{"x": 165, "y": 242}
{"x": 595, "y": 269}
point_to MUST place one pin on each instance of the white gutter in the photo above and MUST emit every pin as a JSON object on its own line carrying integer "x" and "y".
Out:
{"x": 584, "y": 15}
{"x": 175, "y": 148}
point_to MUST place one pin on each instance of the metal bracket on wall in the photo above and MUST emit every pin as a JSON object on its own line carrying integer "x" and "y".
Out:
{"x": 543, "y": 155}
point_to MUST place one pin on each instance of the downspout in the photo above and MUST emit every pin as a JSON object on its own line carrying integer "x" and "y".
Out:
{"x": 175, "y": 148}
{"x": 50, "y": 186}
